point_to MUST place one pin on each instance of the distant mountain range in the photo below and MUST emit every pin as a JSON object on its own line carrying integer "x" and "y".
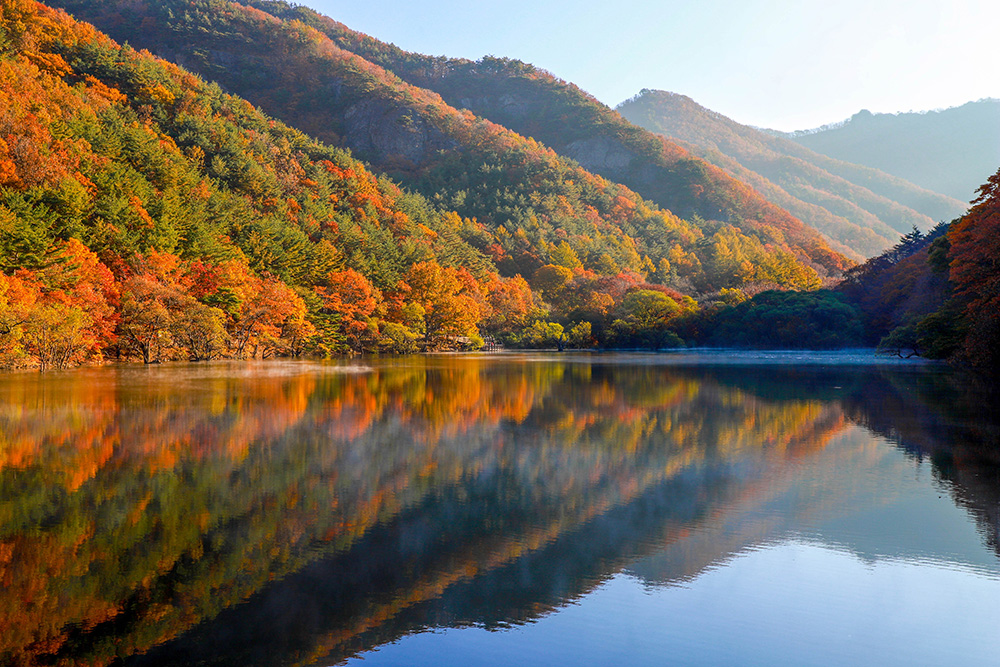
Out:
{"x": 858, "y": 207}
{"x": 951, "y": 151}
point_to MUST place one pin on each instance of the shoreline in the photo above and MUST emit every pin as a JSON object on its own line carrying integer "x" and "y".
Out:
{"x": 707, "y": 356}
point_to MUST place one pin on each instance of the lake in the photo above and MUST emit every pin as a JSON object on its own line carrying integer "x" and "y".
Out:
{"x": 508, "y": 509}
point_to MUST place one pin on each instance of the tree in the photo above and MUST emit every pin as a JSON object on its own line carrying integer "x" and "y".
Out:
{"x": 551, "y": 279}
{"x": 511, "y": 305}
{"x": 258, "y": 323}
{"x": 581, "y": 335}
{"x": 448, "y": 309}
{"x": 644, "y": 318}
{"x": 545, "y": 334}
{"x": 564, "y": 255}
{"x": 649, "y": 309}
{"x": 58, "y": 335}
{"x": 353, "y": 299}
{"x": 199, "y": 329}
{"x": 975, "y": 273}
{"x": 146, "y": 317}
{"x": 79, "y": 283}
{"x": 18, "y": 297}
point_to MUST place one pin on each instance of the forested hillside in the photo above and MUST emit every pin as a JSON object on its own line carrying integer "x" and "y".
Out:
{"x": 145, "y": 214}
{"x": 938, "y": 294}
{"x": 949, "y": 151}
{"x": 859, "y": 207}
{"x": 295, "y": 64}
{"x": 537, "y": 104}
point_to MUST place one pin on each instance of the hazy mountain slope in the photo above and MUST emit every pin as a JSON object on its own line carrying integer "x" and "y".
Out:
{"x": 951, "y": 151}
{"x": 858, "y": 206}
{"x": 480, "y": 169}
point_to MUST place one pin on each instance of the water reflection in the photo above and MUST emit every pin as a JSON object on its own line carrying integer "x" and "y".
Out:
{"x": 296, "y": 513}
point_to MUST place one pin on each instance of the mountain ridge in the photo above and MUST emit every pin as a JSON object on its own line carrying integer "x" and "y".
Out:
{"x": 950, "y": 150}
{"x": 865, "y": 209}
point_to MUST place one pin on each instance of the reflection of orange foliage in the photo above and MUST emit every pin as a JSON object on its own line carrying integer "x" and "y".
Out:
{"x": 300, "y": 456}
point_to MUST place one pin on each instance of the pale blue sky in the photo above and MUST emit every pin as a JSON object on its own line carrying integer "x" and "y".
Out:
{"x": 784, "y": 64}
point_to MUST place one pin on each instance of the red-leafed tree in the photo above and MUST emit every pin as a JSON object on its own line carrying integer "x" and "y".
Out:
{"x": 975, "y": 273}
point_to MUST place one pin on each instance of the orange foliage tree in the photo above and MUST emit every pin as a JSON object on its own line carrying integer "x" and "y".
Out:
{"x": 351, "y": 297}
{"x": 448, "y": 307}
{"x": 259, "y": 310}
{"x": 59, "y": 316}
{"x": 511, "y": 304}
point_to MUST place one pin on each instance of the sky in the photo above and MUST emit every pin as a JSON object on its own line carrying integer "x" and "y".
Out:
{"x": 781, "y": 64}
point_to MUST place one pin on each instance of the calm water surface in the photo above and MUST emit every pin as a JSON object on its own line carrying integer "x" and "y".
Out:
{"x": 501, "y": 510}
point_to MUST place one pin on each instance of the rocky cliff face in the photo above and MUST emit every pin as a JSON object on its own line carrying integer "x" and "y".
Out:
{"x": 601, "y": 154}
{"x": 508, "y": 105}
{"x": 380, "y": 131}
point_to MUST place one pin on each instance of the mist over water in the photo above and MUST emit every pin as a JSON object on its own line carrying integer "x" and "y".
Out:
{"x": 500, "y": 509}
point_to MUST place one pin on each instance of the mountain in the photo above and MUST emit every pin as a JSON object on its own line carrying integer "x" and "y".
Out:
{"x": 535, "y": 103}
{"x": 951, "y": 151}
{"x": 294, "y": 64}
{"x": 859, "y": 207}
{"x": 145, "y": 214}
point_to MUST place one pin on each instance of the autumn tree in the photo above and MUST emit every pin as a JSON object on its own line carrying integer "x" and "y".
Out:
{"x": 266, "y": 306}
{"x": 18, "y": 297}
{"x": 199, "y": 329}
{"x": 551, "y": 279}
{"x": 58, "y": 334}
{"x": 645, "y": 317}
{"x": 352, "y": 298}
{"x": 146, "y": 318}
{"x": 511, "y": 305}
{"x": 448, "y": 309}
{"x": 975, "y": 273}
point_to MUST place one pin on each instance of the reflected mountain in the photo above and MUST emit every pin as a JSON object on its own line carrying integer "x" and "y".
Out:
{"x": 298, "y": 513}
